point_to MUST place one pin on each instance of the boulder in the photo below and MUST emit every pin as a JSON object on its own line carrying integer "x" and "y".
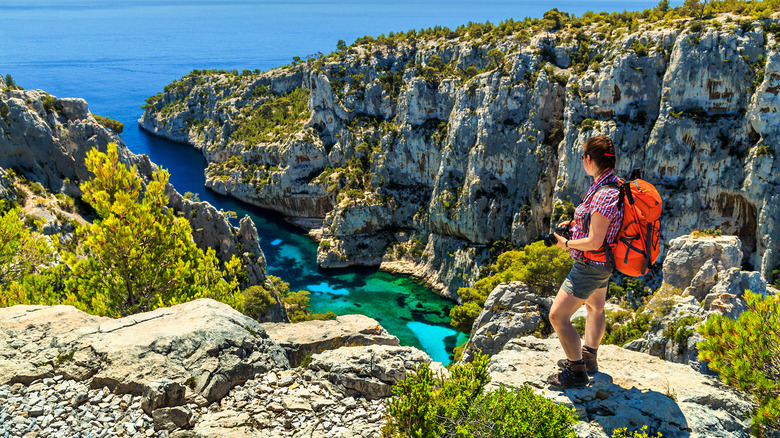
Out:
{"x": 203, "y": 345}
{"x": 370, "y": 371}
{"x": 172, "y": 418}
{"x": 692, "y": 263}
{"x": 631, "y": 390}
{"x": 511, "y": 310}
{"x": 303, "y": 339}
{"x": 701, "y": 277}
{"x": 161, "y": 394}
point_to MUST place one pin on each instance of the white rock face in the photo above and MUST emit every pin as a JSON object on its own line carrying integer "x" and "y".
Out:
{"x": 703, "y": 277}
{"x": 203, "y": 345}
{"x": 370, "y": 371}
{"x": 479, "y": 160}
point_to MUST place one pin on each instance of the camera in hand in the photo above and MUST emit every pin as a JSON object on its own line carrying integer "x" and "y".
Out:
{"x": 550, "y": 239}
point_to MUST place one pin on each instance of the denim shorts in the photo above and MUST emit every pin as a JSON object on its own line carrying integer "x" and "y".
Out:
{"x": 585, "y": 277}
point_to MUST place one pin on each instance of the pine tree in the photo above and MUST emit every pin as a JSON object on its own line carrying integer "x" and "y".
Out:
{"x": 138, "y": 255}
{"x": 746, "y": 353}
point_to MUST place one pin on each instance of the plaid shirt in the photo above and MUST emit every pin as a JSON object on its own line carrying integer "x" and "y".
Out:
{"x": 603, "y": 201}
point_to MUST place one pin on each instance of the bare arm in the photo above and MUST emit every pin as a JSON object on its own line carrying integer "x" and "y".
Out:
{"x": 599, "y": 225}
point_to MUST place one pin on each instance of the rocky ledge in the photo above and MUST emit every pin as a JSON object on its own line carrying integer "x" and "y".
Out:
{"x": 631, "y": 390}
{"x": 203, "y": 346}
{"x": 201, "y": 369}
{"x": 198, "y": 368}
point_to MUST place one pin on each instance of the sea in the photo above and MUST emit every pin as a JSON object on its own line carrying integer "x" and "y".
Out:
{"x": 116, "y": 53}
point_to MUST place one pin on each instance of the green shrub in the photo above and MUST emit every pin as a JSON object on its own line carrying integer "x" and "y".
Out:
{"x": 746, "y": 353}
{"x": 587, "y": 124}
{"x": 707, "y": 232}
{"x": 257, "y": 301}
{"x": 563, "y": 211}
{"x": 624, "y": 326}
{"x": 429, "y": 406}
{"x": 764, "y": 149}
{"x": 274, "y": 119}
{"x": 679, "y": 331}
{"x": 48, "y": 103}
{"x": 22, "y": 254}
{"x": 631, "y": 290}
{"x": 109, "y": 123}
{"x": 641, "y": 433}
{"x": 297, "y": 303}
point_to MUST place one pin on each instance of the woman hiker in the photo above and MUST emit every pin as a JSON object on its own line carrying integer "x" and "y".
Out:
{"x": 596, "y": 219}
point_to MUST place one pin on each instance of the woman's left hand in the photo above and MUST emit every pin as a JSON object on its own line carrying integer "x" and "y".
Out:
{"x": 561, "y": 241}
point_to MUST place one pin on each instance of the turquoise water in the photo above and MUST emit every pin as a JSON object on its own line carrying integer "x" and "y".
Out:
{"x": 116, "y": 53}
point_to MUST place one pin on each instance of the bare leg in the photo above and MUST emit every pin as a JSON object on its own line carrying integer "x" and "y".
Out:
{"x": 595, "y": 321}
{"x": 563, "y": 308}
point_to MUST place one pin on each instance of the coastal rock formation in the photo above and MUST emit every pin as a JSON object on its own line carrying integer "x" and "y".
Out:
{"x": 511, "y": 310}
{"x": 420, "y": 152}
{"x": 202, "y": 346}
{"x": 701, "y": 277}
{"x": 631, "y": 390}
{"x": 371, "y": 371}
{"x": 47, "y": 140}
{"x": 306, "y": 338}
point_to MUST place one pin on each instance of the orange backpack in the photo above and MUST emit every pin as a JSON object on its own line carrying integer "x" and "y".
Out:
{"x": 637, "y": 245}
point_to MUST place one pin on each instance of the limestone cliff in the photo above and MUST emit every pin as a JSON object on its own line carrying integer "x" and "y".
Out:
{"x": 46, "y": 139}
{"x": 420, "y": 152}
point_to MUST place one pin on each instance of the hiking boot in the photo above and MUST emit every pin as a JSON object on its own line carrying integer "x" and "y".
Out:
{"x": 590, "y": 362}
{"x": 572, "y": 374}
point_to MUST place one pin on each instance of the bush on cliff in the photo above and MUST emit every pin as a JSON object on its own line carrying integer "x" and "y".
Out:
{"x": 26, "y": 272}
{"x": 746, "y": 353}
{"x": 110, "y": 123}
{"x": 138, "y": 255}
{"x": 429, "y": 406}
{"x": 541, "y": 267}
{"x": 273, "y": 119}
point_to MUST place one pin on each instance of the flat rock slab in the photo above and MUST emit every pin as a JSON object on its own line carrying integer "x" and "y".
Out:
{"x": 631, "y": 390}
{"x": 311, "y": 337}
{"x": 204, "y": 345}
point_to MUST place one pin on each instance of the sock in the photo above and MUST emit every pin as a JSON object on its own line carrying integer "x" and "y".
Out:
{"x": 576, "y": 362}
{"x": 592, "y": 351}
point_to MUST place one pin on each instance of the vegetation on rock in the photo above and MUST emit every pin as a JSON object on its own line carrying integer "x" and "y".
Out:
{"x": 110, "y": 123}
{"x": 746, "y": 353}
{"x": 136, "y": 256}
{"x": 426, "y": 406}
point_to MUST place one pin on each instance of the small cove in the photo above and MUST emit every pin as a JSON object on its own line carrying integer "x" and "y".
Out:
{"x": 405, "y": 307}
